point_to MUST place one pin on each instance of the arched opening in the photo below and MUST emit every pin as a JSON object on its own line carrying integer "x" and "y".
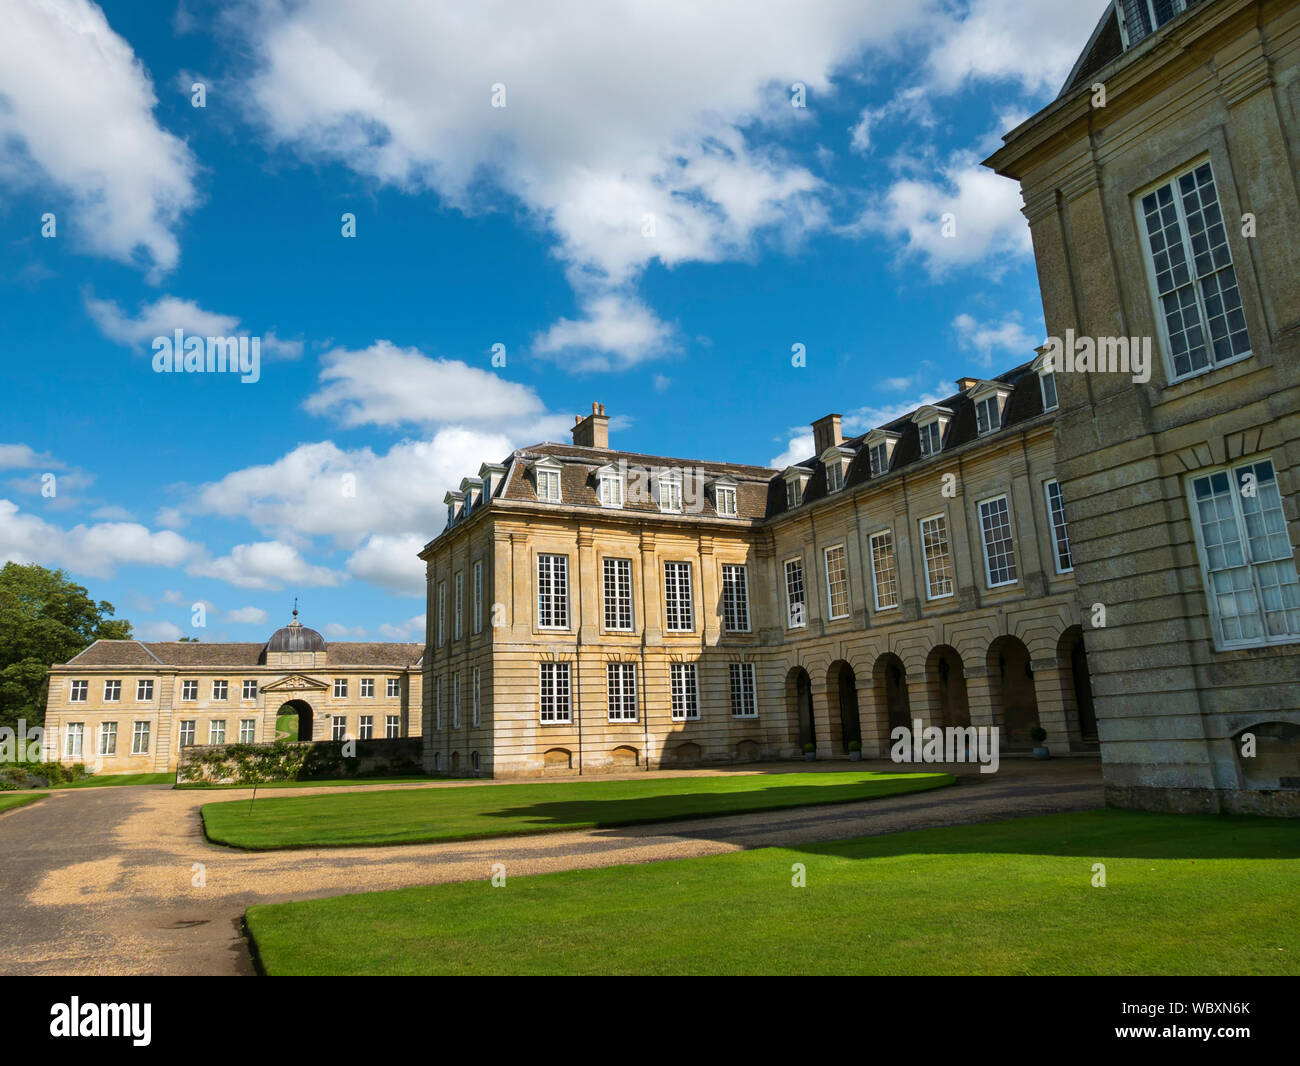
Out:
{"x": 1079, "y": 688}
{"x": 293, "y": 721}
{"x": 455, "y": 761}
{"x": 798, "y": 690}
{"x": 889, "y": 678}
{"x": 1011, "y": 688}
{"x": 842, "y": 684}
{"x": 946, "y": 678}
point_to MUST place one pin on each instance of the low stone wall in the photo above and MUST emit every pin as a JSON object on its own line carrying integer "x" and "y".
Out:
{"x": 1274, "y": 803}
{"x": 221, "y": 764}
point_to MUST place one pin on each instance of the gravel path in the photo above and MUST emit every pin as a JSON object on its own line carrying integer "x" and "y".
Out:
{"x": 104, "y": 881}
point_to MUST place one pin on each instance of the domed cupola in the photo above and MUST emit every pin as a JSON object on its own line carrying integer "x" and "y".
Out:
{"x": 294, "y": 639}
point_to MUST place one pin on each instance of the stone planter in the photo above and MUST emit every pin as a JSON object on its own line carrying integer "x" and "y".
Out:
{"x": 809, "y": 756}
{"x": 855, "y": 756}
{"x": 1042, "y": 753}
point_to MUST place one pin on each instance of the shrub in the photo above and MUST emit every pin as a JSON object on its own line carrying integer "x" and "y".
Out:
{"x": 855, "y": 745}
{"x": 1038, "y": 734}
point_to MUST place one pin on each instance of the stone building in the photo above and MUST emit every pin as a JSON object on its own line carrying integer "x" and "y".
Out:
{"x": 592, "y": 610}
{"x": 128, "y": 706}
{"x": 1161, "y": 189}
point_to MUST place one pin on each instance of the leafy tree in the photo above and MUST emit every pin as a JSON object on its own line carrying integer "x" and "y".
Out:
{"x": 44, "y": 619}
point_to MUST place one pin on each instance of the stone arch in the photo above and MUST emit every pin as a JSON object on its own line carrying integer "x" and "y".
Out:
{"x": 747, "y": 751}
{"x": 842, "y": 699}
{"x": 1276, "y": 762}
{"x": 1012, "y": 694}
{"x": 801, "y": 724}
{"x": 302, "y": 710}
{"x": 889, "y": 685}
{"x": 685, "y": 754}
{"x": 455, "y": 761}
{"x": 557, "y": 759}
{"x": 475, "y": 763}
{"x": 945, "y": 679}
{"x": 626, "y": 757}
{"x": 437, "y": 762}
{"x": 1080, "y": 713}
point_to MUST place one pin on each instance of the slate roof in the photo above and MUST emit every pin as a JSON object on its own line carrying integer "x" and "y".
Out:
{"x": 154, "y": 654}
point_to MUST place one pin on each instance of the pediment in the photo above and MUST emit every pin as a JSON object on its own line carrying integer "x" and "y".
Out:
{"x": 293, "y": 682}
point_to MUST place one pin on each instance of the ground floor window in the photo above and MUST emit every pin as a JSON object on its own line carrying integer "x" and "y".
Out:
{"x": 76, "y": 733}
{"x": 392, "y": 726}
{"x": 339, "y": 729}
{"x": 367, "y": 728}
{"x": 140, "y": 738}
{"x": 744, "y": 702}
{"x": 553, "y": 692}
{"x": 620, "y": 691}
{"x": 186, "y": 733}
{"x": 217, "y": 731}
{"x": 108, "y": 738}
{"x": 684, "y": 682}
{"x": 247, "y": 730}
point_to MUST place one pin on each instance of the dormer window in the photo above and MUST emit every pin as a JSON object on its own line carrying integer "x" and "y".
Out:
{"x": 472, "y": 489}
{"x": 724, "y": 497}
{"x": 791, "y": 494}
{"x": 836, "y": 461}
{"x": 546, "y": 476}
{"x": 1046, "y": 379}
{"x": 880, "y": 450}
{"x": 931, "y": 424}
{"x": 454, "y": 502}
{"x": 609, "y": 486}
{"x": 670, "y": 492}
{"x": 796, "y": 478}
{"x": 1139, "y": 19}
{"x": 491, "y": 475}
{"x": 990, "y": 399}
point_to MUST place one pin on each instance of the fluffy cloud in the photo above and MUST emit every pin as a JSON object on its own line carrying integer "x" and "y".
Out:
{"x": 1008, "y": 337}
{"x": 158, "y": 630}
{"x": 78, "y": 115}
{"x": 411, "y": 629}
{"x": 391, "y": 562}
{"x": 611, "y": 324}
{"x": 265, "y": 565}
{"x": 247, "y": 615}
{"x": 96, "y": 550}
{"x": 169, "y": 313}
{"x": 798, "y": 449}
{"x": 384, "y": 385}
{"x": 622, "y": 134}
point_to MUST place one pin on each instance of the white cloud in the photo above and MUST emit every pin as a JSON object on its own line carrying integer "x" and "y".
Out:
{"x": 338, "y": 631}
{"x": 247, "y": 615}
{"x": 1007, "y": 337}
{"x": 323, "y": 490}
{"x": 615, "y": 331}
{"x": 798, "y": 449}
{"x": 169, "y": 313}
{"x": 265, "y": 565}
{"x": 391, "y": 562}
{"x": 78, "y": 117}
{"x": 96, "y": 550}
{"x": 411, "y": 629}
{"x": 158, "y": 630}
{"x": 612, "y": 115}
{"x": 968, "y": 216}
{"x": 23, "y": 457}
{"x": 384, "y": 385}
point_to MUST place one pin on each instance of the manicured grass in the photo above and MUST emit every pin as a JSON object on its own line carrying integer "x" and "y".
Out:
{"x": 286, "y": 727}
{"x": 417, "y": 815}
{"x": 1184, "y": 894}
{"x": 113, "y": 780}
{"x": 10, "y": 800}
{"x": 328, "y": 782}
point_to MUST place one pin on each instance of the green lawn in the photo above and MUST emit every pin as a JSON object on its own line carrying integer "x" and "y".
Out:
{"x": 1184, "y": 894}
{"x": 10, "y": 800}
{"x": 416, "y": 815}
{"x": 325, "y": 782}
{"x": 112, "y": 780}
{"x": 286, "y": 727}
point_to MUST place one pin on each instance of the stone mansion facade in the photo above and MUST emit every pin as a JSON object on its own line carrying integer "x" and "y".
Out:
{"x": 1102, "y": 549}
{"x": 129, "y": 706}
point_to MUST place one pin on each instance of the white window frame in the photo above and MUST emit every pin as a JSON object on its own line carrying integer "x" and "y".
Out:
{"x": 548, "y": 484}
{"x": 988, "y": 414}
{"x": 338, "y": 727}
{"x": 141, "y": 730}
{"x": 248, "y": 690}
{"x": 684, "y": 689}
{"x": 1044, "y": 376}
{"x": 367, "y": 682}
{"x": 1157, "y": 310}
{"x": 552, "y": 598}
{"x": 930, "y": 594}
{"x": 340, "y": 688}
{"x": 609, "y": 490}
{"x": 830, "y": 591}
{"x": 1179, "y": 6}
{"x": 478, "y": 596}
{"x": 190, "y": 691}
{"x": 1010, "y": 562}
{"x": 554, "y": 693}
{"x": 442, "y": 613}
{"x": 392, "y": 726}
{"x": 931, "y": 447}
{"x": 735, "y": 598}
{"x": 743, "y": 690}
{"x": 144, "y": 690}
{"x": 115, "y": 687}
{"x": 1058, "y": 530}
{"x": 877, "y": 573}
{"x": 679, "y": 597}
{"x": 621, "y": 692}
{"x": 108, "y": 739}
{"x": 616, "y": 594}
{"x": 222, "y": 687}
{"x": 1253, "y": 567}
{"x": 878, "y": 458}
{"x": 791, "y": 621}
{"x": 75, "y": 738}
{"x": 216, "y": 731}
{"x": 393, "y": 689}
{"x": 458, "y": 610}
{"x": 78, "y": 691}
{"x": 670, "y": 493}
{"x": 834, "y": 476}
{"x": 186, "y": 732}
{"x": 366, "y": 727}
{"x": 247, "y": 730}
{"x": 724, "y": 497}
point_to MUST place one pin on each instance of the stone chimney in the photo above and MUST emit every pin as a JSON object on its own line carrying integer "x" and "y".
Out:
{"x": 964, "y": 384}
{"x": 826, "y": 433}
{"x": 592, "y": 431}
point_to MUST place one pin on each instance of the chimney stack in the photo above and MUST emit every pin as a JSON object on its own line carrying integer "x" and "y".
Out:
{"x": 592, "y": 431}
{"x": 964, "y": 384}
{"x": 826, "y": 433}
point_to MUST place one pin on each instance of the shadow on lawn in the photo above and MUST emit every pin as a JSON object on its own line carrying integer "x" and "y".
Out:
{"x": 609, "y": 813}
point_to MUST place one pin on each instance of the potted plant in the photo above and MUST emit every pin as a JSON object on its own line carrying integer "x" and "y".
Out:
{"x": 809, "y": 752}
{"x": 855, "y": 751}
{"x": 1038, "y": 734}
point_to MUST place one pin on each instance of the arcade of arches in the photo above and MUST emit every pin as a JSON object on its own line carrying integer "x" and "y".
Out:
{"x": 833, "y": 705}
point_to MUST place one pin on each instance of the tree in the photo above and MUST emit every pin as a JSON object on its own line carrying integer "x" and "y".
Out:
{"x": 45, "y": 619}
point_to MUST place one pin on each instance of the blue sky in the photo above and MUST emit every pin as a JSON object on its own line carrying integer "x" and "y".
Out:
{"x": 648, "y": 222}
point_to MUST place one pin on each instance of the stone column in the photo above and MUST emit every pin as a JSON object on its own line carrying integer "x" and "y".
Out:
{"x": 1051, "y": 677}
{"x": 979, "y": 697}
{"x": 826, "y": 718}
